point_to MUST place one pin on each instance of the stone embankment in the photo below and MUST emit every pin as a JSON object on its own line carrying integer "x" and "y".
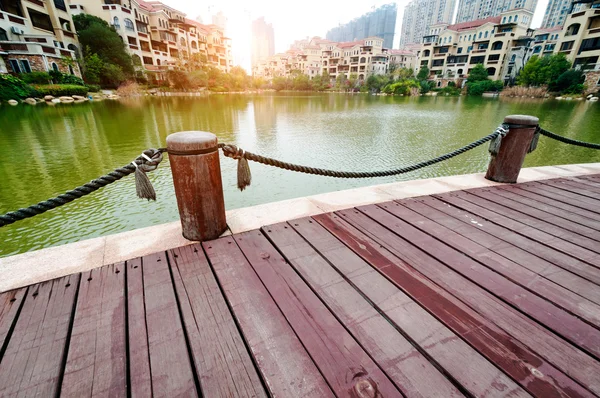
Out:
{"x": 73, "y": 99}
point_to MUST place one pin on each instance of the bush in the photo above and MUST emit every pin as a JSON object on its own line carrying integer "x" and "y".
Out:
{"x": 479, "y": 87}
{"x": 12, "y": 87}
{"x": 425, "y": 86}
{"x": 93, "y": 88}
{"x": 402, "y": 87}
{"x": 569, "y": 82}
{"x": 522, "y": 91}
{"x": 58, "y": 90}
{"x": 36, "y": 77}
{"x": 71, "y": 79}
{"x": 218, "y": 89}
{"x": 129, "y": 89}
{"x": 450, "y": 90}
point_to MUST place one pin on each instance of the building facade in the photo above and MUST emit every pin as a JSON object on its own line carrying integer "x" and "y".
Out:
{"x": 380, "y": 22}
{"x": 159, "y": 37}
{"x": 263, "y": 41}
{"x": 451, "y": 51}
{"x": 419, "y": 15}
{"x": 473, "y": 10}
{"x": 37, "y": 36}
{"x": 317, "y": 56}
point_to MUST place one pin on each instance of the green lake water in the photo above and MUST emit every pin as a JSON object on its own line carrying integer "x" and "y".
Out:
{"x": 45, "y": 150}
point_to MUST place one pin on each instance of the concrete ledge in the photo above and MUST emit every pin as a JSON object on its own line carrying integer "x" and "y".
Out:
{"x": 37, "y": 266}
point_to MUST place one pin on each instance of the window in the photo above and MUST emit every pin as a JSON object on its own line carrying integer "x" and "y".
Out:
{"x": 516, "y": 17}
{"x": 71, "y": 71}
{"x": 14, "y": 65}
{"x": 567, "y": 45}
{"x": 590, "y": 44}
{"x": 459, "y": 51}
{"x": 182, "y": 42}
{"x": 40, "y": 20}
{"x": 12, "y": 7}
{"x": 116, "y": 23}
{"x": 54, "y": 67}
{"x": 60, "y": 4}
{"x": 510, "y": 19}
{"x": 494, "y": 57}
{"x": 513, "y": 58}
{"x": 486, "y": 34}
{"x": 132, "y": 40}
{"x": 194, "y": 45}
{"x": 141, "y": 27}
{"x": 497, "y": 45}
{"x": 469, "y": 37}
{"x": 25, "y": 67}
{"x": 503, "y": 19}
{"x": 148, "y": 61}
{"x": 135, "y": 13}
{"x": 480, "y": 35}
{"x": 572, "y": 29}
{"x": 128, "y": 24}
{"x": 3, "y": 35}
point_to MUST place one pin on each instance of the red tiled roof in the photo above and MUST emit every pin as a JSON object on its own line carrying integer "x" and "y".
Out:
{"x": 474, "y": 24}
{"x": 400, "y": 52}
{"x": 350, "y": 44}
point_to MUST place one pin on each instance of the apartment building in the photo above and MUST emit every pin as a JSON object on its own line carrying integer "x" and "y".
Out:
{"x": 579, "y": 39}
{"x": 263, "y": 40}
{"x": 380, "y": 22}
{"x": 402, "y": 58}
{"x": 37, "y": 35}
{"x": 473, "y": 10}
{"x": 159, "y": 37}
{"x": 420, "y": 15}
{"x": 451, "y": 51}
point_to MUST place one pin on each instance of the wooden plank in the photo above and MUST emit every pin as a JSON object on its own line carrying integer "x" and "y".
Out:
{"x": 221, "y": 359}
{"x": 559, "y": 209}
{"x": 574, "y": 283}
{"x": 140, "y": 379}
{"x": 286, "y": 367}
{"x": 525, "y": 278}
{"x": 541, "y": 231}
{"x": 535, "y": 217}
{"x": 97, "y": 360}
{"x": 545, "y": 312}
{"x": 10, "y": 303}
{"x": 341, "y": 360}
{"x": 33, "y": 360}
{"x": 458, "y": 359}
{"x": 512, "y": 239}
{"x": 554, "y": 199}
{"x": 383, "y": 242}
{"x": 574, "y": 187}
{"x": 588, "y": 181}
{"x": 170, "y": 364}
{"x": 564, "y": 195}
{"x": 588, "y": 185}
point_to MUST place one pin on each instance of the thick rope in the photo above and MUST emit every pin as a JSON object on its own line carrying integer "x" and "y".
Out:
{"x": 566, "y": 140}
{"x": 234, "y": 152}
{"x": 155, "y": 156}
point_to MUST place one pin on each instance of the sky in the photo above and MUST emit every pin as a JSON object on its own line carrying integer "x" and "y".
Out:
{"x": 291, "y": 20}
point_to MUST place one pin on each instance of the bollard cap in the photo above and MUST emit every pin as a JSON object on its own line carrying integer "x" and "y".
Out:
{"x": 191, "y": 142}
{"x": 525, "y": 120}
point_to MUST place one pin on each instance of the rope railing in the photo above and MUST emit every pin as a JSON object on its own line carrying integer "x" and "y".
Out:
{"x": 151, "y": 158}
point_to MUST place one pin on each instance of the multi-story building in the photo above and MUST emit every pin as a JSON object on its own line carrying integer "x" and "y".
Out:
{"x": 419, "y": 15}
{"x": 473, "y": 10}
{"x": 380, "y": 22}
{"x": 263, "y": 40}
{"x": 579, "y": 40}
{"x": 158, "y": 36}
{"x": 402, "y": 59}
{"x": 451, "y": 51}
{"x": 37, "y": 36}
{"x": 316, "y": 56}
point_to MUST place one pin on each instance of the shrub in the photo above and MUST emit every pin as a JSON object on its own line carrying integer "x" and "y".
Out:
{"x": 402, "y": 87}
{"x": 449, "y": 90}
{"x": 425, "y": 86}
{"x": 71, "y": 79}
{"x": 12, "y": 87}
{"x": 129, "y": 89}
{"x": 479, "y": 87}
{"x": 36, "y": 77}
{"x": 218, "y": 89}
{"x": 58, "y": 90}
{"x": 93, "y": 88}
{"x": 522, "y": 91}
{"x": 569, "y": 82}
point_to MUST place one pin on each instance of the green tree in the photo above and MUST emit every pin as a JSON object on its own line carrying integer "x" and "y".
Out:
{"x": 569, "y": 82}
{"x": 375, "y": 83}
{"x": 97, "y": 37}
{"x": 477, "y": 74}
{"x": 93, "y": 68}
{"x": 542, "y": 71}
{"x": 423, "y": 73}
{"x": 301, "y": 82}
{"x": 178, "y": 79}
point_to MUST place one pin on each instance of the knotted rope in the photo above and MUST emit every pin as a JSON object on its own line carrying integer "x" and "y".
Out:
{"x": 146, "y": 162}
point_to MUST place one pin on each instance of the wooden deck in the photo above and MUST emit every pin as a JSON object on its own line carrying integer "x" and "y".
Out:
{"x": 488, "y": 292}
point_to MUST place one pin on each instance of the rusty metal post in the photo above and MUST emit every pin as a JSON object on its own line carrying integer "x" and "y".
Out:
{"x": 194, "y": 159}
{"x": 506, "y": 165}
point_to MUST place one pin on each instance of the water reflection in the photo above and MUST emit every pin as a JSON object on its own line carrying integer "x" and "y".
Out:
{"x": 48, "y": 150}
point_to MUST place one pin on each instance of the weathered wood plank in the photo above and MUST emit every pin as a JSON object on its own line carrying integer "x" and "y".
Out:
{"x": 590, "y": 182}
{"x": 572, "y": 186}
{"x": 513, "y": 271}
{"x": 458, "y": 359}
{"x": 285, "y": 365}
{"x": 563, "y": 195}
{"x": 556, "y": 351}
{"x": 170, "y": 364}
{"x": 33, "y": 360}
{"x": 97, "y": 360}
{"x": 342, "y": 361}
{"x": 533, "y": 216}
{"x": 574, "y": 283}
{"x": 561, "y": 209}
{"x": 222, "y": 361}
{"x": 10, "y": 302}
{"x": 546, "y": 233}
{"x": 512, "y": 239}
{"x": 140, "y": 379}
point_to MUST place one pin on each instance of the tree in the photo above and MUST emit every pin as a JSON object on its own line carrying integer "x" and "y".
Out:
{"x": 97, "y": 37}
{"x": 178, "y": 79}
{"x": 93, "y": 68}
{"x": 423, "y": 73}
{"x": 542, "y": 71}
{"x": 375, "y": 83}
{"x": 477, "y": 74}
{"x": 301, "y": 82}
{"x": 569, "y": 82}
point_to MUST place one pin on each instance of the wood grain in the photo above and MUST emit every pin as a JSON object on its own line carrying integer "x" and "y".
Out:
{"x": 170, "y": 364}
{"x": 97, "y": 361}
{"x": 10, "y": 302}
{"x": 441, "y": 345}
{"x": 545, "y": 344}
{"x": 286, "y": 367}
{"x": 34, "y": 357}
{"x": 221, "y": 359}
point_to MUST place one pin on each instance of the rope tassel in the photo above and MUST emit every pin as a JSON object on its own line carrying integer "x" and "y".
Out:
{"x": 534, "y": 141}
{"x": 244, "y": 177}
{"x": 496, "y": 142}
{"x": 143, "y": 186}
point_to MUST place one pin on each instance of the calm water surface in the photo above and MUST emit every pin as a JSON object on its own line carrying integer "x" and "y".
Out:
{"x": 48, "y": 150}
